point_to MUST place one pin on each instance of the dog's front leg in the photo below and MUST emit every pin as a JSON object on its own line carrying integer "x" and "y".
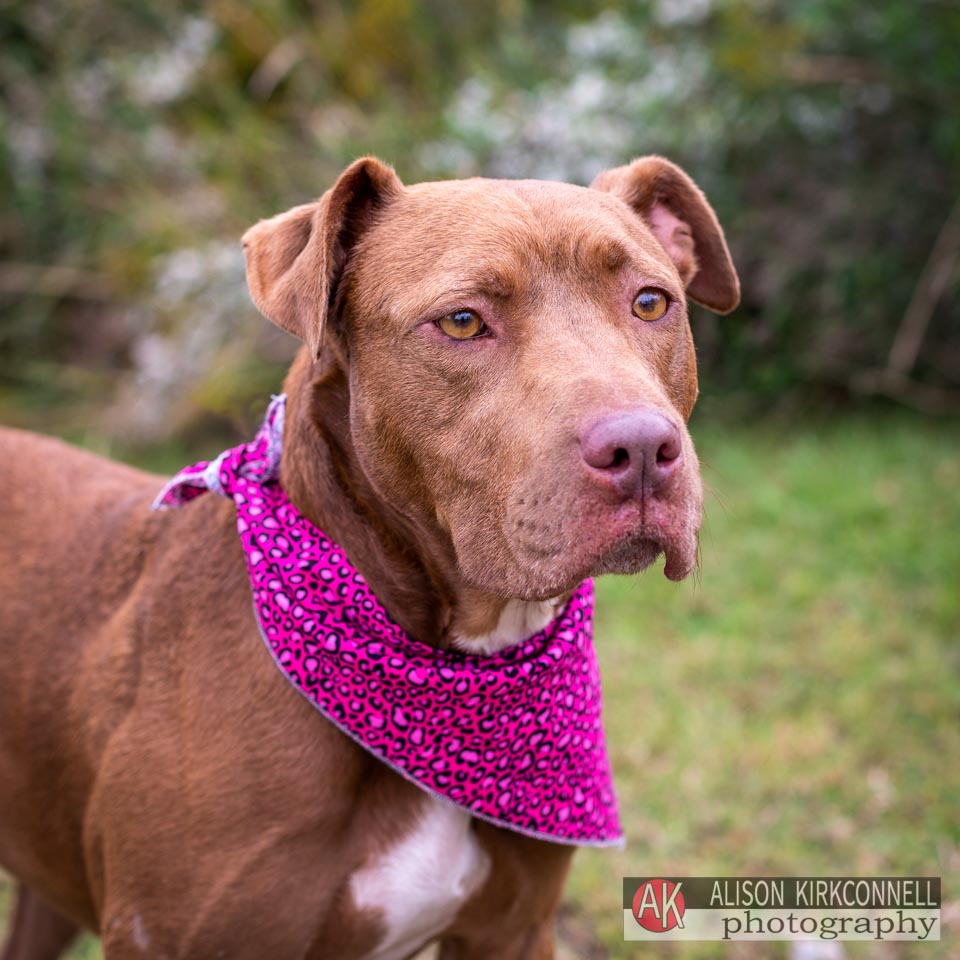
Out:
{"x": 536, "y": 943}
{"x": 38, "y": 932}
{"x": 512, "y": 916}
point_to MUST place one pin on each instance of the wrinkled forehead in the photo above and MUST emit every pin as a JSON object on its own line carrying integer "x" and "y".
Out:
{"x": 508, "y": 233}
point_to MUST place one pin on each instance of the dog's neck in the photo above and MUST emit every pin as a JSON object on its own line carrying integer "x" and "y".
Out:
{"x": 412, "y": 569}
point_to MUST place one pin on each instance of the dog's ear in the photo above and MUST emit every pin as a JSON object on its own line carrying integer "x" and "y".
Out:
{"x": 294, "y": 260}
{"x": 678, "y": 214}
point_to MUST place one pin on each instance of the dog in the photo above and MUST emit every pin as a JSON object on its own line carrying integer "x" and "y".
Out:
{"x": 489, "y": 406}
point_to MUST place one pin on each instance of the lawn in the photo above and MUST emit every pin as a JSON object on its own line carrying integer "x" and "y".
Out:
{"x": 796, "y": 710}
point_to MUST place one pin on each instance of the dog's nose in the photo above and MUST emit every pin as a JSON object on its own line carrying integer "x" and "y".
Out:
{"x": 633, "y": 451}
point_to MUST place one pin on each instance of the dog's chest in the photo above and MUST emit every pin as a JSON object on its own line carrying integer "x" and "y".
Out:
{"x": 418, "y": 884}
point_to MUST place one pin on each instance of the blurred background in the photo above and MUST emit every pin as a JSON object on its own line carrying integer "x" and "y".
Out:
{"x": 795, "y": 710}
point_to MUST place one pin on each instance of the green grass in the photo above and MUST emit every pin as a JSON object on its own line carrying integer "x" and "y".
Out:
{"x": 797, "y": 710}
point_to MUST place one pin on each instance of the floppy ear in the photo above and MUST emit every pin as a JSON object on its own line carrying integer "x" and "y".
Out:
{"x": 678, "y": 214}
{"x": 294, "y": 260}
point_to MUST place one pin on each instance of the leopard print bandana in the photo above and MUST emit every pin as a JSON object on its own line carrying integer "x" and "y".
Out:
{"x": 515, "y": 737}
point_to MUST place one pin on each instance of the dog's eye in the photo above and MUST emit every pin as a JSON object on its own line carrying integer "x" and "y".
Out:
{"x": 651, "y": 304}
{"x": 462, "y": 325}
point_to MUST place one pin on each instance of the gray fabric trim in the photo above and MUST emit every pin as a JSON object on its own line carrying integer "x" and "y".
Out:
{"x": 275, "y": 438}
{"x": 211, "y": 474}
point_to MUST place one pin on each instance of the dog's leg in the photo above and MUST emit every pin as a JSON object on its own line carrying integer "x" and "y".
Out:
{"x": 535, "y": 944}
{"x": 38, "y": 931}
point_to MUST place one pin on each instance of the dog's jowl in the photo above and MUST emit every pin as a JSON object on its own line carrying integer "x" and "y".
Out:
{"x": 339, "y": 698}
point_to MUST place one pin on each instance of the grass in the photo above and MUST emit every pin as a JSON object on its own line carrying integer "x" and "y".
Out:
{"x": 797, "y": 710}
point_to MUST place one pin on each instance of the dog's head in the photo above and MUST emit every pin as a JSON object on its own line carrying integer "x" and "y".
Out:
{"x": 519, "y": 359}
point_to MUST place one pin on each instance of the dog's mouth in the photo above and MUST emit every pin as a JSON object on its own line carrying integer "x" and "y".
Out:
{"x": 638, "y": 550}
{"x": 555, "y": 554}
{"x": 637, "y": 553}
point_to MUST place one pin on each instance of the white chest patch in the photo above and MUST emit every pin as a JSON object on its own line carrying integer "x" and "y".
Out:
{"x": 419, "y": 885}
{"x": 519, "y": 619}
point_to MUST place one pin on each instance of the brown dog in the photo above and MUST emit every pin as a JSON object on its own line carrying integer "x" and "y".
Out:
{"x": 490, "y": 406}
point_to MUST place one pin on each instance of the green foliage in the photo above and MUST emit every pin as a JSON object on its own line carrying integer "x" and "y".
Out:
{"x": 826, "y": 132}
{"x": 845, "y": 185}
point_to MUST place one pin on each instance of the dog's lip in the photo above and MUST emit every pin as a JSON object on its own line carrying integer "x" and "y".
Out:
{"x": 680, "y": 558}
{"x": 637, "y": 552}
{"x": 553, "y": 579}
{"x": 630, "y": 553}
{"x": 628, "y": 541}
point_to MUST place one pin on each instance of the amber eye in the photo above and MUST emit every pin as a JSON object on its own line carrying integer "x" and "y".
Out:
{"x": 462, "y": 325}
{"x": 651, "y": 304}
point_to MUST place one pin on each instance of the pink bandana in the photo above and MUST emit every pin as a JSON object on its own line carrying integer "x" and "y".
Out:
{"x": 515, "y": 738}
